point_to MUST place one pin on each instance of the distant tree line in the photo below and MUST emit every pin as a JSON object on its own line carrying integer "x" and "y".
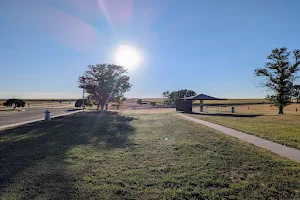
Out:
{"x": 171, "y": 97}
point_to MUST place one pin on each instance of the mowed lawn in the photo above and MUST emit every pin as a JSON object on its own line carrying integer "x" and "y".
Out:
{"x": 263, "y": 121}
{"x": 138, "y": 156}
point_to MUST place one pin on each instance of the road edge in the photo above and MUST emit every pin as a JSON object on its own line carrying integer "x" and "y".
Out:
{"x": 9, "y": 126}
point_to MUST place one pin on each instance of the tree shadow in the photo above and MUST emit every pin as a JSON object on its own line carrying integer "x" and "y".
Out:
{"x": 227, "y": 114}
{"x": 35, "y": 153}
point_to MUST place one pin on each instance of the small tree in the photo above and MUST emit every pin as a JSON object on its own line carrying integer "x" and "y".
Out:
{"x": 280, "y": 73}
{"x": 296, "y": 92}
{"x": 118, "y": 101}
{"x": 139, "y": 101}
{"x": 15, "y": 102}
{"x": 105, "y": 82}
{"x": 171, "y": 97}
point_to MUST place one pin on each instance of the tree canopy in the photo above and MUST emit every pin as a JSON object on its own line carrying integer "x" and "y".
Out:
{"x": 280, "y": 73}
{"x": 105, "y": 83}
{"x": 296, "y": 92}
{"x": 15, "y": 102}
{"x": 171, "y": 97}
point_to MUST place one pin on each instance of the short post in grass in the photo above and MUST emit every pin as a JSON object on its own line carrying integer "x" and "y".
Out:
{"x": 47, "y": 115}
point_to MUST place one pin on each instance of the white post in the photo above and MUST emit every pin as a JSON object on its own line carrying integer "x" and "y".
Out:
{"x": 47, "y": 115}
{"x": 82, "y": 100}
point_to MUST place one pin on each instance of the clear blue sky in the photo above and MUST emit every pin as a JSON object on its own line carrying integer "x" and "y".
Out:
{"x": 211, "y": 47}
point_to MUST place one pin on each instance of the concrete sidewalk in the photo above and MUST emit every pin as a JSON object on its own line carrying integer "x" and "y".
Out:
{"x": 36, "y": 120}
{"x": 291, "y": 153}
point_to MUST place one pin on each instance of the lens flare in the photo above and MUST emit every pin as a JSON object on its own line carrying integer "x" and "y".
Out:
{"x": 128, "y": 56}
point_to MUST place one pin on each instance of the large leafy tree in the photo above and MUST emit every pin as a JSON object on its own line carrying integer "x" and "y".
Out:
{"x": 280, "y": 73}
{"x": 105, "y": 83}
{"x": 296, "y": 92}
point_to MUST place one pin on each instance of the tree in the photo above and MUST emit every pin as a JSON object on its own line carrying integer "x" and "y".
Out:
{"x": 296, "y": 92}
{"x": 118, "y": 101}
{"x": 190, "y": 93}
{"x": 166, "y": 94}
{"x": 171, "y": 97}
{"x": 15, "y": 102}
{"x": 104, "y": 83}
{"x": 280, "y": 74}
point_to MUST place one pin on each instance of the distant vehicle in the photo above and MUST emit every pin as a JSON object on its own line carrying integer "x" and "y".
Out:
{"x": 79, "y": 103}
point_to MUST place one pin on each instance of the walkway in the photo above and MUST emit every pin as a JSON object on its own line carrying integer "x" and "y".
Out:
{"x": 291, "y": 153}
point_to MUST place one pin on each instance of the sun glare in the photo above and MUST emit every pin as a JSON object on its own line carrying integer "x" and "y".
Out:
{"x": 128, "y": 56}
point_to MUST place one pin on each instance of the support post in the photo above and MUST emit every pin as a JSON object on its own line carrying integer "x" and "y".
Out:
{"x": 82, "y": 100}
{"x": 201, "y": 105}
{"x": 83, "y": 80}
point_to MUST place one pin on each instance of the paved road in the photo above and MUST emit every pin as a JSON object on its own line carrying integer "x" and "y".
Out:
{"x": 29, "y": 114}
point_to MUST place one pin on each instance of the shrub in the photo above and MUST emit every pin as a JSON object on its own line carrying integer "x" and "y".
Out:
{"x": 152, "y": 103}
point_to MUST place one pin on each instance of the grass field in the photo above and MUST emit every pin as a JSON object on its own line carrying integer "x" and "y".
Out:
{"x": 262, "y": 121}
{"x": 138, "y": 155}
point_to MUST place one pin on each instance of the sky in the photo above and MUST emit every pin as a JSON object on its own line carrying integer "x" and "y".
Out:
{"x": 211, "y": 47}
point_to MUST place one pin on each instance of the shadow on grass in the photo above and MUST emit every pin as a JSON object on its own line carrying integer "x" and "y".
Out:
{"x": 36, "y": 152}
{"x": 227, "y": 114}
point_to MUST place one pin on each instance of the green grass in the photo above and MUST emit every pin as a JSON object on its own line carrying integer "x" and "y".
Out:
{"x": 129, "y": 157}
{"x": 283, "y": 129}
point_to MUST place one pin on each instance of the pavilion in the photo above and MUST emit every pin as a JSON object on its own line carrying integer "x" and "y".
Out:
{"x": 200, "y": 97}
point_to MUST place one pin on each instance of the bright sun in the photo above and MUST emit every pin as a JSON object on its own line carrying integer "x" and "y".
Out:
{"x": 128, "y": 56}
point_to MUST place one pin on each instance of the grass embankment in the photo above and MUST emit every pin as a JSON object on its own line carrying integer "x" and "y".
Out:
{"x": 262, "y": 121}
{"x": 137, "y": 156}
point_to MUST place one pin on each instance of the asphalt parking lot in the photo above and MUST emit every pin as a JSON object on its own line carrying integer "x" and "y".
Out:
{"x": 12, "y": 117}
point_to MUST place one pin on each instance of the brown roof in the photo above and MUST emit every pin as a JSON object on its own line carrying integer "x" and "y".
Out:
{"x": 201, "y": 97}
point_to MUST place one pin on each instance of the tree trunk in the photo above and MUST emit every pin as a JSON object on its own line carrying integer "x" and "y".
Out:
{"x": 106, "y": 106}
{"x": 102, "y": 108}
{"x": 280, "y": 110}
